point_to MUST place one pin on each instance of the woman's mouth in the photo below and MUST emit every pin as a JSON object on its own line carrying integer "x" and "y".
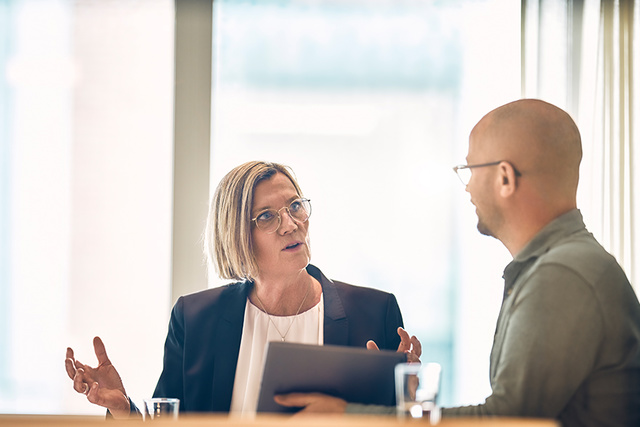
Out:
{"x": 292, "y": 246}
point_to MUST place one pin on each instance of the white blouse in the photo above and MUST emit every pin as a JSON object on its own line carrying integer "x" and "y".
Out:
{"x": 257, "y": 331}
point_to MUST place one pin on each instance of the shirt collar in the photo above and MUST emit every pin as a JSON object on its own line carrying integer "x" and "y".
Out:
{"x": 561, "y": 227}
{"x": 565, "y": 225}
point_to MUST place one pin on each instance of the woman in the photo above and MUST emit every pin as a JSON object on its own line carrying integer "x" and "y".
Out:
{"x": 257, "y": 234}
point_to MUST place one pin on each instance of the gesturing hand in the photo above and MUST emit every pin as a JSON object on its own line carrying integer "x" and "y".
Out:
{"x": 409, "y": 345}
{"x": 101, "y": 384}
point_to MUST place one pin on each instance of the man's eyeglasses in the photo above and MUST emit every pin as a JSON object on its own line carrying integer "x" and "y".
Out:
{"x": 464, "y": 171}
{"x": 269, "y": 220}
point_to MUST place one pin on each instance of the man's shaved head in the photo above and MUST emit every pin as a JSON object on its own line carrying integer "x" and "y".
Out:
{"x": 541, "y": 140}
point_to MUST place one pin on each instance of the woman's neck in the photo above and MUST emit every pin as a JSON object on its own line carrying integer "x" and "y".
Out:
{"x": 286, "y": 296}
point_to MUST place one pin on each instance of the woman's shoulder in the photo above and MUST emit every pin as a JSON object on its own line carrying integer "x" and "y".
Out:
{"x": 344, "y": 287}
{"x": 358, "y": 290}
{"x": 225, "y": 294}
{"x": 360, "y": 302}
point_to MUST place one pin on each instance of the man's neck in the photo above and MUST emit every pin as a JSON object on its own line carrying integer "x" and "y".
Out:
{"x": 525, "y": 230}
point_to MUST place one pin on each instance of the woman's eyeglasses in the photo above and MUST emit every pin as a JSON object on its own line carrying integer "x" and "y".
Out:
{"x": 269, "y": 220}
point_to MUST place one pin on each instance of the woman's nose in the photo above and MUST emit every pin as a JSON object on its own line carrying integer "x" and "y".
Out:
{"x": 287, "y": 223}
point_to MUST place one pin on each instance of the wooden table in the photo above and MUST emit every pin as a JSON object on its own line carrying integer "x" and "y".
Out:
{"x": 263, "y": 421}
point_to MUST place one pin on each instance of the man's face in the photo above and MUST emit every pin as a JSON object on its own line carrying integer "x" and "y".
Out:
{"x": 482, "y": 187}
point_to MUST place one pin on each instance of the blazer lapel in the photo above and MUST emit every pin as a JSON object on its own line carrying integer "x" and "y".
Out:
{"x": 336, "y": 324}
{"x": 227, "y": 346}
{"x": 228, "y": 334}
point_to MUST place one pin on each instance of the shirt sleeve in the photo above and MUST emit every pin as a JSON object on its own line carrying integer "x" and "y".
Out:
{"x": 362, "y": 409}
{"x": 545, "y": 348}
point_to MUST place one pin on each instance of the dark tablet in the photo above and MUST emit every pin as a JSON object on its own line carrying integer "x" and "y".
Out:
{"x": 356, "y": 375}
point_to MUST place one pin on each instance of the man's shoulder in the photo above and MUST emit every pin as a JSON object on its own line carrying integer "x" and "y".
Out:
{"x": 585, "y": 258}
{"x": 578, "y": 250}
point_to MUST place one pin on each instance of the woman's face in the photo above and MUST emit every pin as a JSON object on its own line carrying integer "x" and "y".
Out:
{"x": 287, "y": 250}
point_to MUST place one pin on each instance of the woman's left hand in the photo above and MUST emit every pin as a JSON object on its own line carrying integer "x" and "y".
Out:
{"x": 321, "y": 403}
{"x": 408, "y": 344}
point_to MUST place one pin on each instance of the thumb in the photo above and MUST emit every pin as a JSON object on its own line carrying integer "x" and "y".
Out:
{"x": 371, "y": 345}
{"x": 101, "y": 352}
{"x": 405, "y": 340}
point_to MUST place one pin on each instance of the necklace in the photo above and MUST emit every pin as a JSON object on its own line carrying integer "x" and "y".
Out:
{"x": 283, "y": 336}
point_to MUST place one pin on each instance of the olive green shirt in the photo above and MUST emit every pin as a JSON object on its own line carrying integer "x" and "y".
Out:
{"x": 567, "y": 341}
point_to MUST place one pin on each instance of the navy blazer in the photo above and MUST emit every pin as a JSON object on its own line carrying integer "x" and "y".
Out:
{"x": 205, "y": 330}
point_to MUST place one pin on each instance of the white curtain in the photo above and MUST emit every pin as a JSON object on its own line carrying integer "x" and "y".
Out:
{"x": 580, "y": 55}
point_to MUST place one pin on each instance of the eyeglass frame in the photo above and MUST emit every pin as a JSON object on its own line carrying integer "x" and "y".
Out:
{"x": 482, "y": 165}
{"x": 299, "y": 199}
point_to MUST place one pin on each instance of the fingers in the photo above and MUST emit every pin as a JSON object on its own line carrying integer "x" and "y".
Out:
{"x": 294, "y": 399}
{"x": 85, "y": 377}
{"x": 412, "y": 358}
{"x": 69, "y": 365}
{"x": 371, "y": 345}
{"x": 92, "y": 393}
{"x": 75, "y": 364}
{"x": 79, "y": 365}
{"x": 70, "y": 368}
{"x": 79, "y": 383}
{"x": 417, "y": 346}
{"x": 409, "y": 344}
{"x": 76, "y": 372}
{"x": 405, "y": 341}
{"x": 312, "y": 402}
{"x": 101, "y": 352}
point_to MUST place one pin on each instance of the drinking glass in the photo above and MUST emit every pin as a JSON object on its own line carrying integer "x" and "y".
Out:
{"x": 417, "y": 388}
{"x": 161, "y": 408}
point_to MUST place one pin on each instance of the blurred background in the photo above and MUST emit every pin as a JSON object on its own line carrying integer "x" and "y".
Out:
{"x": 119, "y": 117}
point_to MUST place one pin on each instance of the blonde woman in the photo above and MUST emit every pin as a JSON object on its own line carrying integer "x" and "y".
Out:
{"x": 258, "y": 236}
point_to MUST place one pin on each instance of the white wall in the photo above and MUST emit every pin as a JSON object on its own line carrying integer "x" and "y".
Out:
{"x": 91, "y": 179}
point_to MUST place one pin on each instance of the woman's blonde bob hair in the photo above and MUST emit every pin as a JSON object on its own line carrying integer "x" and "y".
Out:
{"x": 227, "y": 239}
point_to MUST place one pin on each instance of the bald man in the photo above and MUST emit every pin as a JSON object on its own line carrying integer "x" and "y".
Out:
{"x": 567, "y": 342}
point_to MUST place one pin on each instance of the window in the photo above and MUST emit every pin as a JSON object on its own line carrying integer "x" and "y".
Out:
{"x": 369, "y": 101}
{"x": 371, "y": 104}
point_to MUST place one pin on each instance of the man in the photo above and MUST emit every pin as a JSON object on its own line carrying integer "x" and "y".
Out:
{"x": 567, "y": 341}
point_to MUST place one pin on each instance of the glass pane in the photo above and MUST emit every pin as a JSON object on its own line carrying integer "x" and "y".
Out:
{"x": 373, "y": 101}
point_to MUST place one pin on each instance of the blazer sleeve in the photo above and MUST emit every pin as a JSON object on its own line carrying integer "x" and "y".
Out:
{"x": 170, "y": 381}
{"x": 393, "y": 322}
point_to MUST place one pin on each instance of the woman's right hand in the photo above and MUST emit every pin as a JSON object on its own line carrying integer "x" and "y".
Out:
{"x": 102, "y": 385}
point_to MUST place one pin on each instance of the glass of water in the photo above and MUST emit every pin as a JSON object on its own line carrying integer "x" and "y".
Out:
{"x": 417, "y": 388}
{"x": 161, "y": 408}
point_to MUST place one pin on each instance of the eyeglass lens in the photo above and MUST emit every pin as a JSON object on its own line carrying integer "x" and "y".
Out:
{"x": 269, "y": 220}
{"x": 464, "y": 174}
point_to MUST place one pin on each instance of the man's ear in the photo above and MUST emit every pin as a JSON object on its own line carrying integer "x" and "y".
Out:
{"x": 507, "y": 177}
